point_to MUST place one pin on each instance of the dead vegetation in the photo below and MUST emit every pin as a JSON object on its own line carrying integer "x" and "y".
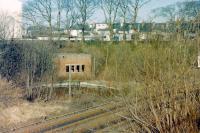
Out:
{"x": 159, "y": 83}
{"x": 14, "y": 109}
{"x": 27, "y": 112}
{"x": 166, "y": 95}
{"x": 10, "y": 94}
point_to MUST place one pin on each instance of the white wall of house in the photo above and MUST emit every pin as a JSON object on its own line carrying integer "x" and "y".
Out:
{"x": 43, "y": 38}
{"x": 73, "y": 32}
{"x": 129, "y": 37}
{"x": 131, "y": 31}
{"x": 143, "y": 37}
{"x": 101, "y": 26}
{"x": 104, "y": 35}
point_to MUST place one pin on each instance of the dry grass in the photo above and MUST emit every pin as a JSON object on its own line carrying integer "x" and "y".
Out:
{"x": 10, "y": 94}
{"x": 166, "y": 98}
{"x": 14, "y": 109}
{"x": 29, "y": 111}
{"x": 161, "y": 83}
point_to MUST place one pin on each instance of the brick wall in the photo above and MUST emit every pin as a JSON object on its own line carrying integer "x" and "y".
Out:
{"x": 81, "y": 66}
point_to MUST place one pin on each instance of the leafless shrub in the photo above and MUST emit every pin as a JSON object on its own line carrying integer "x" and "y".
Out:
{"x": 6, "y": 26}
{"x": 159, "y": 84}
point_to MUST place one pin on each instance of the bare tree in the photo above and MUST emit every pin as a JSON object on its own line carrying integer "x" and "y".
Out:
{"x": 136, "y": 6}
{"x": 124, "y": 13}
{"x": 110, "y": 9}
{"x": 182, "y": 17}
{"x": 86, "y": 10}
{"x": 7, "y": 26}
{"x": 39, "y": 12}
{"x": 59, "y": 6}
{"x": 71, "y": 16}
{"x": 189, "y": 10}
{"x": 169, "y": 12}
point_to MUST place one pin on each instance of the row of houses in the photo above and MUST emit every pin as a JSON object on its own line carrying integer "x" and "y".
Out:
{"x": 100, "y": 31}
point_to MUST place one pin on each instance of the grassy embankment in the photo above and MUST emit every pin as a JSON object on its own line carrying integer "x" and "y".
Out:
{"x": 159, "y": 83}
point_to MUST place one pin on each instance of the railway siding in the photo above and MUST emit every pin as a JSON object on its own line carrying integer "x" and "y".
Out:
{"x": 66, "y": 120}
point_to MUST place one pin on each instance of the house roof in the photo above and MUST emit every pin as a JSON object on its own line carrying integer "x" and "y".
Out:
{"x": 104, "y": 29}
{"x": 79, "y": 27}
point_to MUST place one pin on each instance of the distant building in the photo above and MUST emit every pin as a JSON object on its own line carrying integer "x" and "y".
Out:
{"x": 73, "y": 32}
{"x": 101, "y": 26}
{"x": 101, "y": 31}
{"x": 79, "y": 65}
{"x": 103, "y": 35}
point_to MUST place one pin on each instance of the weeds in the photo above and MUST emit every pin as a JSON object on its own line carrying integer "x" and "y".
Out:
{"x": 159, "y": 83}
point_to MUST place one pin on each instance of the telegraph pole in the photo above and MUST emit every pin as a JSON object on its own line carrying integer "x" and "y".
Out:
{"x": 70, "y": 89}
{"x": 94, "y": 67}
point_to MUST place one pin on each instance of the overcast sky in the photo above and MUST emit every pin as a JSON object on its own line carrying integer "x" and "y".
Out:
{"x": 15, "y": 6}
{"x": 10, "y": 5}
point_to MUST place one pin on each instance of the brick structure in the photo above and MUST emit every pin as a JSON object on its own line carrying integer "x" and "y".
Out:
{"x": 80, "y": 66}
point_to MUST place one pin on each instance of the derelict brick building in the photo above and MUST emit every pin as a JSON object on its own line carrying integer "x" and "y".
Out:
{"x": 79, "y": 65}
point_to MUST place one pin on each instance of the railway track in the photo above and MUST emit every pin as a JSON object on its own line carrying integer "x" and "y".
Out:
{"x": 86, "y": 120}
{"x": 92, "y": 124}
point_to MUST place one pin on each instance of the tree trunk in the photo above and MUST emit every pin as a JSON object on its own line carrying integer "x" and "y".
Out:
{"x": 111, "y": 32}
{"x": 124, "y": 31}
{"x": 59, "y": 27}
{"x": 83, "y": 35}
{"x": 51, "y": 88}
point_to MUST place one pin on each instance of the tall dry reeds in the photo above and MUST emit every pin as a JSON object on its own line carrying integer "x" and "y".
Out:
{"x": 159, "y": 83}
{"x": 165, "y": 93}
{"x": 10, "y": 94}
